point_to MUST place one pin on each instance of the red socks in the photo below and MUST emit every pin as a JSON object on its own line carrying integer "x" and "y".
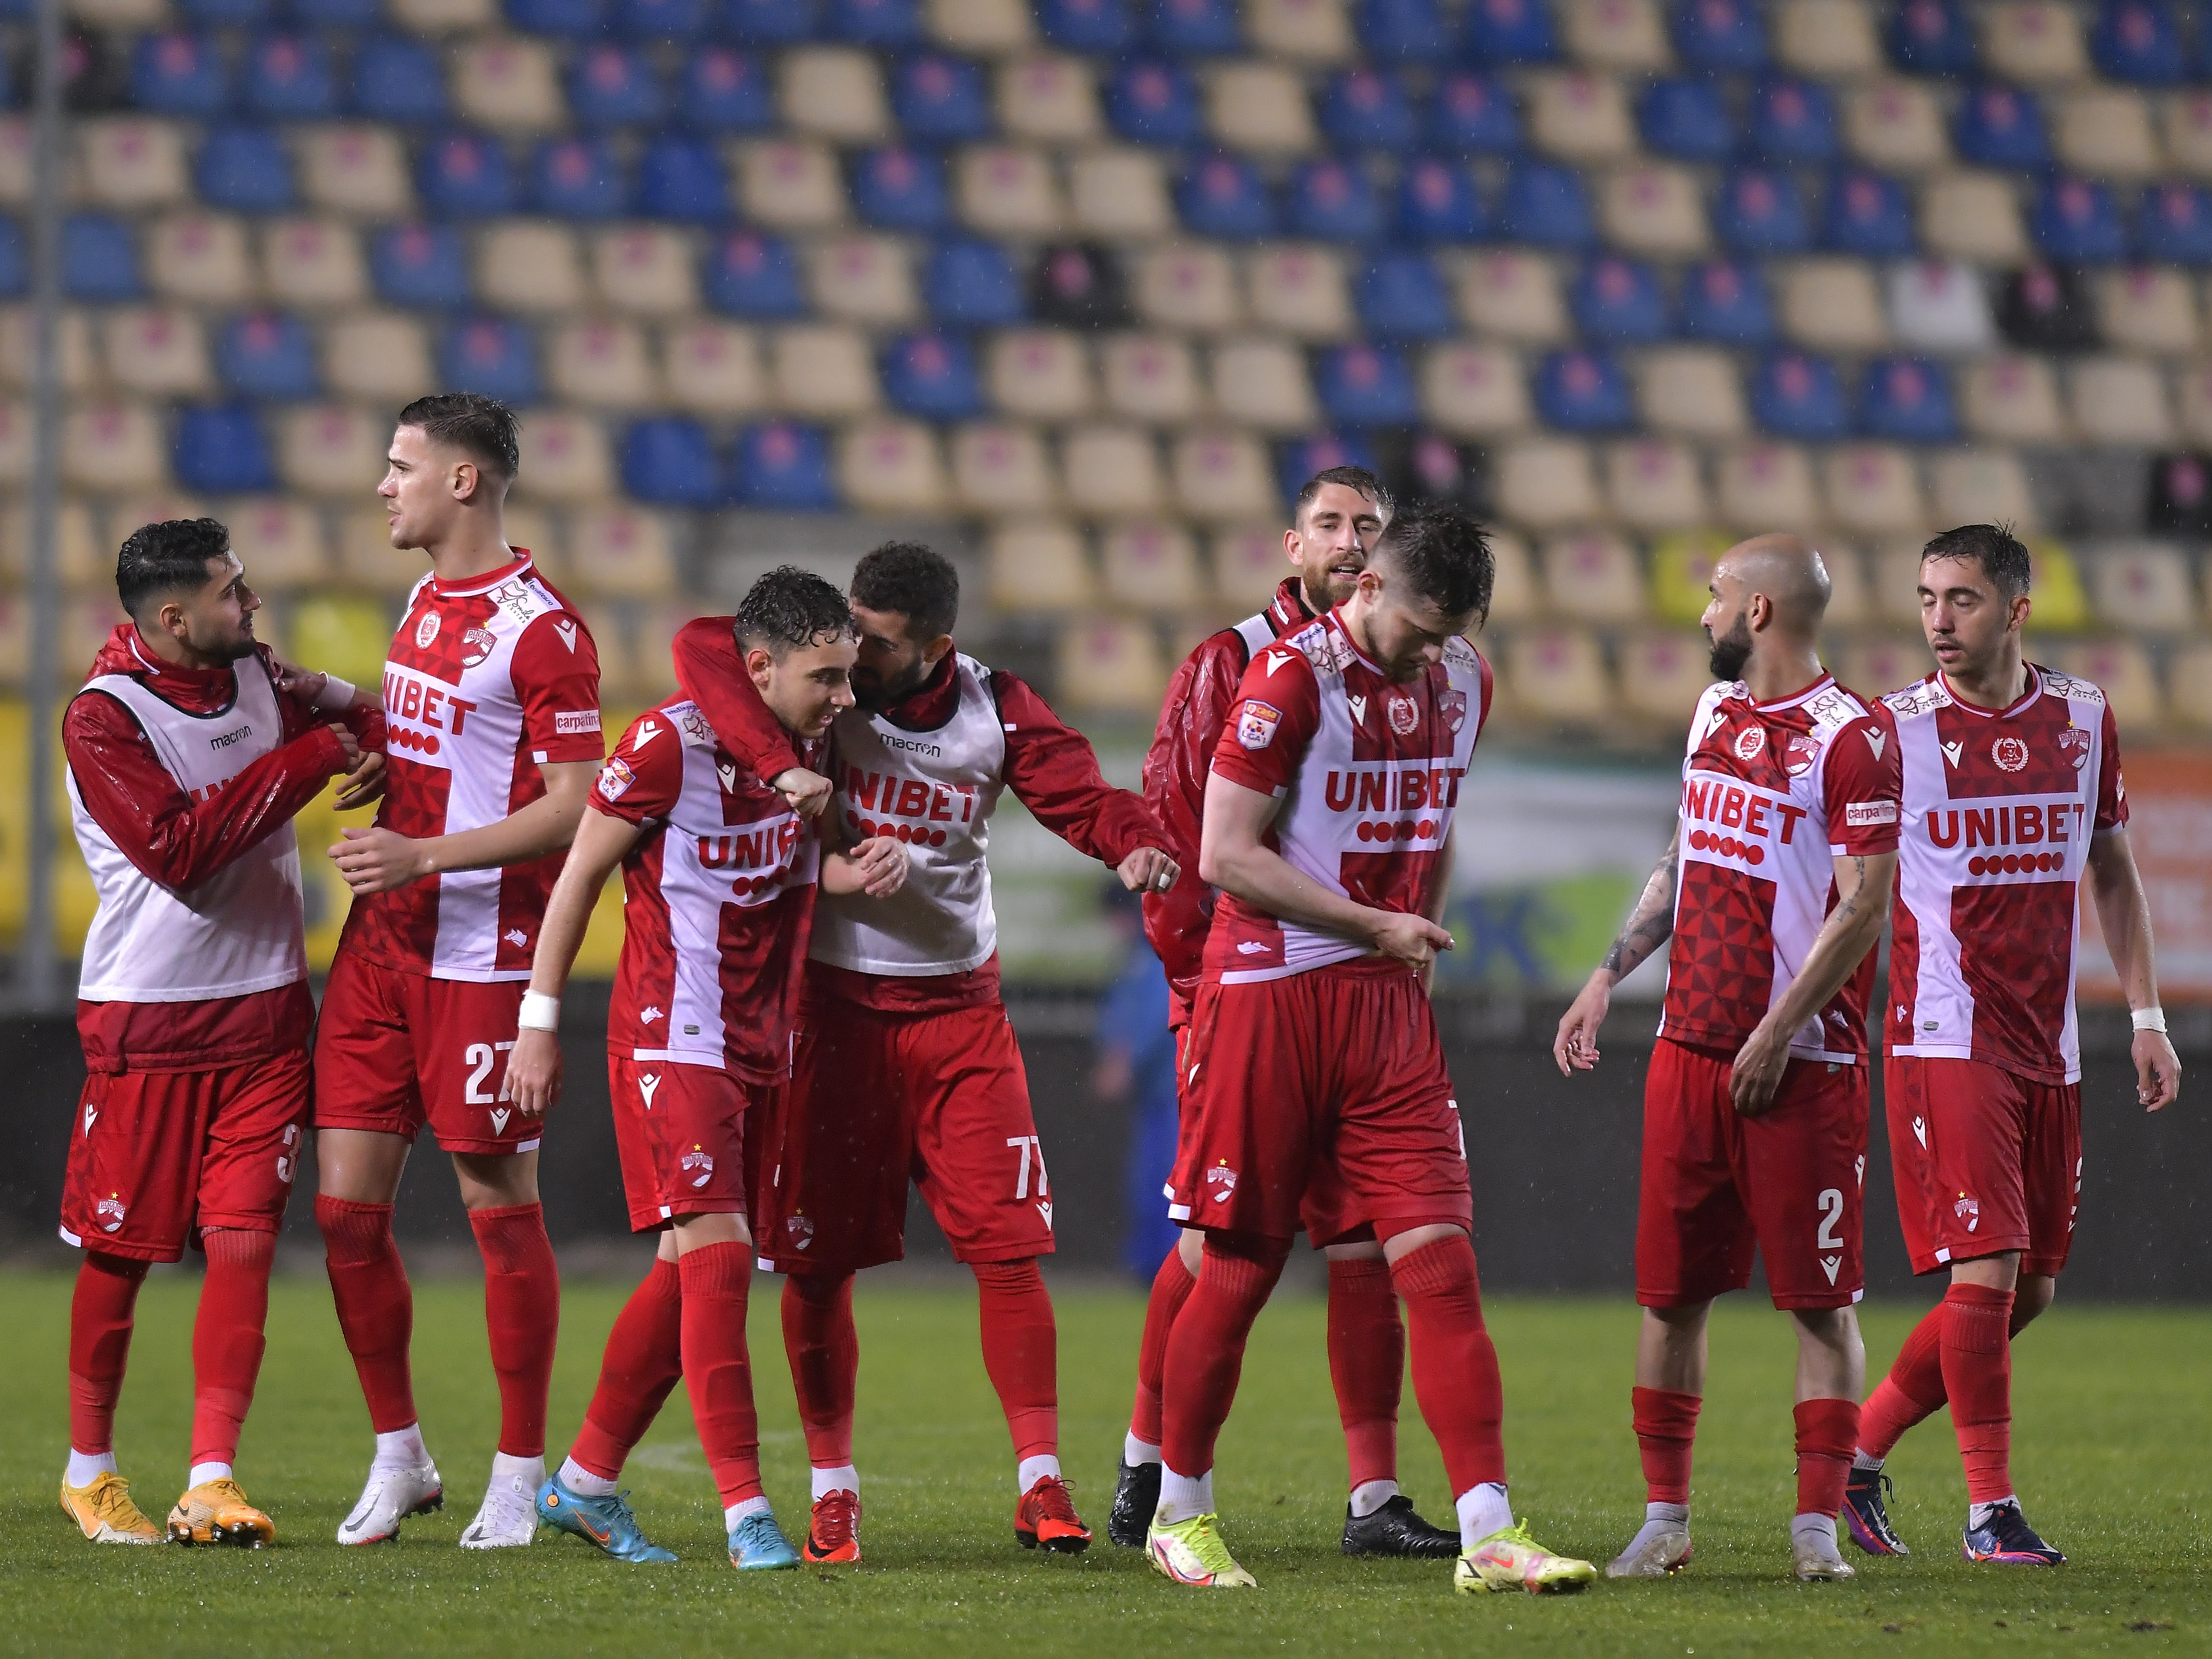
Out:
{"x": 522, "y": 1314}
{"x": 229, "y": 1339}
{"x": 1206, "y": 1349}
{"x": 716, "y": 1369}
{"x": 1455, "y": 1364}
{"x": 1978, "y": 1378}
{"x": 1367, "y": 1364}
{"x": 1666, "y": 1429}
{"x": 1021, "y": 1351}
{"x": 824, "y": 1351}
{"x": 1912, "y": 1391}
{"x": 99, "y": 1341}
{"x": 1171, "y": 1288}
{"x": 644, "y": 1358}
{"x": 1827, "y": 1433}
{"x": 376, "y": 1310}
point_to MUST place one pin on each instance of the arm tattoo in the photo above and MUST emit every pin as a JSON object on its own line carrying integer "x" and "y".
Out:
{"x": 1651, "y": 924}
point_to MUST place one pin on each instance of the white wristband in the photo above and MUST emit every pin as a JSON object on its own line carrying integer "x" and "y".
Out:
{"x": 335, "y": 693}
{"x": 539, "y": 1012}
{"x": 2149, "y": 1019}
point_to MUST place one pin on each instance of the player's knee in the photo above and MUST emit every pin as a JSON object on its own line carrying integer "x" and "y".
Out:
{"x": 115, "y": 1267}
{"x": 496, "y": 1180}
{"x": 1396, "y": 1246}
{"x": 1018, "y": 1275}
{"x": 1190, "y": 1245}
{"x": 2032, "y": 1295}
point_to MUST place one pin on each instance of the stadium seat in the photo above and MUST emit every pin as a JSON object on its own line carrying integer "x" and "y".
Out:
{"x": 1333, "y": 201}
{"x": 508, "y": 85}
{"x": 1556, "y": 676}
{"x": 220, "y": 449}
{"x": 683, "y": 179}
{"x": 112, "y": 446}
{"x": 281, "y": 542}
{"x": 1365, "y": 386}
{"x": 1366, "y": 109}
{"x": 612, "y": 86}
{"x": 680, "y": 21}
{"x": 1908, "y": 399}
{"x": 1000, "y": 469}
{"x": 1041, "y": 373}
{"x": 1437, "y": 202}
{"x": 382, "y": 356}
{"x": 575, "y": 20}
{"x": 1685, "y": 119}
{"x": 1793, "y": 123}
{"x": 1872, "y": 488}
{"x": 73, "y": 343}
{"x": 1655, "y": 209}
{"x": 180, "y": 74}
{"x": 2046, "y": 308}
{"x": 1223, "y": 198}
{"x": 244, "y": 169}
{"x": 14, "y": 260}
{"x": 2074, "y": 221}
{"x": 1150, "y": 378}
{"x": 154, "y": 351}
{"x": 312, "y": 262}
{"x": 400, "y": 80}
{"x": 1401, "y": 296}
{"x": 1983, "y": 486}
{"x": 1869, "y": 215}
{"x": 528, "y": 266}
{"x": 1474, "y": 390}
{"x": 1039, "y": 565}
{"x": 2137, "y": 40}
{"x": 332, "y": 450}
{"x": 1112, "y": 471}
{"x": 1895, "y": 126}
{"x": 2000, "y": 126}
{"x": 267, "y": 354}
{"x": 2121, "y": 401}
{"x": 2144, "y": 309}
{"x": 1692, "y": 391}
{"x": 1303, "y": 31}
{"x": 1260, "y": 108}
{"x": 564, "y": 458}
{"x": 345, "y": 635}
{"x": 1219, "y": 478}
{"x": 1851, "y": 601}
{"x": 2011, "y": 399}
{"x": 1931, "y": 37}
{"x": 1887, "y": 660}
{"x": 1300, "y": 290}
{"x": 1120, "y": 193}
{"x": 1262, "y": 382}
{"x": 1248, "y": 559}
{"x": 490, "y": 355}
{"x": 1541, "y": 204}
{"x": 578, "y": 178}
{"x": 2122, "y": 669}
{"x": 1832, "y": 39}
{"x": 1940, "y": 305}
{"x": 2173, "y": 225}
{"x": 667, "y": 461}
{"x": 1618, "y": 301}
{"x": 895, "y": 188}
{"x": 713, "y": 369}
{"x": 821, "y": 370}
{"x": 1500, "y": 32}
{"x": 1105, "y": 27}
{"x": 1301, "y": 459}
{"x": 368, "y": 560}
{"x": 1543, "y": 482}
{"x": 1003, "y": 190}
{"x": 1426, "y": 465}
{"x": 932, "y": 376}
{"x": 1078, "y": 285}
{"x": 2033, "y": 40}
{"x": 1765, "y": 486}
{"x": 419, "y": 266}
{"x": 1110, "y": 666}
{"x": 1760, "y": 212}
{"x": 2106, "y": 133}
{"x": 789, "y": 185}
{"x": 1617, "y": 34}
{"x": 356, "y": 170}
{"x": 1151, "y": 566}
{"x": 465, "y": 175}
{"x": 1681, "y": 569}
{"x": 782, "y": 465}
{"x": 749, "y": 275}
{"x": 1187, "y": 286}
{"x": 1663, "y": 676}
{"x": 1726, "y": 303}
{"x": 834, "y": 93}
{"x": 621, "y": 551}
{"x": 1972, "y": 216}
{"x": 2144, "y": 585}
{"x": 725, "y": 91}
{"x": 2195, "y": 385}
{"x": 2189, "y": 685}
{"x": 289, "y": 78}
{"x": 991, "y": 26}
{"x": 129, "y": 163}
{"x": 1720, "y": 35}
{"x": 2180, "y": 496}
{"x": 1654, "y": 485}
{"x": 1404, "y": 31}
{"x": 970, "y": 282}
{"x": 1833, "y": 305}
{"x": 602, "y": 365}
{"x": 885, "y": 25}
{"x": 1472, "y": 113}
{"x": 1152, "y": 102}
{"x": 1043, "y": 99}
{"x": 1579, "y": 117}
{"x": 1514, "y": 296}
{"x": 1514, "y": 595}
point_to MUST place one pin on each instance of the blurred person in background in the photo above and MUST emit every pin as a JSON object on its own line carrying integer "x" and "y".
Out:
{"x": 1136, "y": 1064}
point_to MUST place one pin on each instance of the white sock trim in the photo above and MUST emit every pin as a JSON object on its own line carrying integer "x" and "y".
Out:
{"x": 1678, "y": 1513}
{"x": 1977, "y": 1515}
{"x": 402, "y": 1449}
{"x": 733, "y": 1513}
{"x": 1483, "y": 1510}
{"x": 1370, "y": 1496}
{"x": 528, "y": 1471}
{"x": 582, "y": 1481}
{"x": 1803, "y": 1525}
{"x": 1182, "y": 1496}
{"x": 204, "y": 1473}
{"x": 85, "y": 1467}
{"x": 1862, "y": 1461}
{"x": 843, "y": 1477}
{"x": 1135, "y": 1452}
{"x": 1034, "y": 1469}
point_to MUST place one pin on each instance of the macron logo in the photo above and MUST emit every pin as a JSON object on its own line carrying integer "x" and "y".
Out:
{"x": 1951, "y": 751}
{"x": 499, "y": 1117}
{"x": 1875, "y": 740}
{"x": 1359, "y": 710}
{"x": 646, "y": 731}
{"x": 91, "y": 1117}
{"x": 1276, "y": 660}
{"x": 649, "y": 1084}
{"x": 567, "y": 630}
{"x": 1829, "y": 1264}
{"x": 728, "y": 774}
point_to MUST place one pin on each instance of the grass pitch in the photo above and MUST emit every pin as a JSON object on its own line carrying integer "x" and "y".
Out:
{"x": 2114, "y": 1422}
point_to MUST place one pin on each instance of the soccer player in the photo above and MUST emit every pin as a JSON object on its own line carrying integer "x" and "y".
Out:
{"x": 906, "y": 1064}
{"x": 491, "y": 697}
{"x": 1313, "y": 1059}
{"x": 190, "y": 750}
{"x": 1333, "y": 524}
{"x": 719, "y": 877}
{"x": 2012, "y": 791}
{"x": 1772, "y": 891}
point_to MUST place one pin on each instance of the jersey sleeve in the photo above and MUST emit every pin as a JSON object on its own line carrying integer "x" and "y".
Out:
{"x": 713, "y": 675}
{"x": 1864, "y": 781}
{"x": 2112, "y": 788}
{"x": 557, "y": 677}
{"x": 1198, "y": 701}
{"x": 1053, "y": 771}
{"x": 1276, "y": 714}
{"x": 641, "y": 782}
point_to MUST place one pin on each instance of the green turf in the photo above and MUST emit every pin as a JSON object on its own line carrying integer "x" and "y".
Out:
{"x": 2115, "y": 1419}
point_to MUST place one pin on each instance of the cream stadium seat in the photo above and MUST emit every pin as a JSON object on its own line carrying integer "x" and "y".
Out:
{"x": 1514, "y": 296}
{"x": 529, "y": 266}
{"x": 1940, "y": 305}
{"x": 1974, "y": 217}
{"x": 2188, "y": 130}
{"x": 1617, "y": 34}
{"x": 88, "y": 621}
{"x": 1878, "y": 664}
{"x": 1006, "y": 190}
{"x": 1221, "y": 476}
{"x": 835, "y": 93}
{"x": 863, "y": 279}
{"x": 1189, "y": 286}
{"x": 891, "y": 466}
{"x": 1895, "y": 126}
{"x": 18, "y": 347}
{"x": 200, "y": 258}
{"x": 992, "y": 28}
{"x": 1300, "y": 290}
{"x": 1000, "y": 469}
{"x": 83, "y": 561}
{"x": 1152, "y": 565}
{"x": 712, "y": 367}
{"x": 1832, "y": 39}
{"x": 2122, "y": 669}
{"x": 508, "y": 83}
{"x": 2121, "y": 400}
{"x": 110, "y": 447}
{"x": 822, "y": 369}
{"x": 1593, "y": 576}
{"x": 1047, "y": 99}
{"x": 1260, "y": 108}
{"x": 2106, "y": 133}
{"x": 1580, "y": 117}
{"x": 281, "y": 544}
{"x": 1767, "y": 486}
{"x": 1305, "y": 31}
{"x": 1897, "y": 580}
{"x": 1111, "y": 665}
{"x": 367, "y": 558}
{"x": 1119, "y": 193}
{"x": 1042, "y": 373}
{"x": 646, "y": 271}
{"x": 1039, "y": 564}
{"x": 2197, "y": 401}
{"x": 2140, "y": 308}
{"x": 2011, "y": 399}
{"x": 1543, "y": 482}
{"x": 1556, "y": 677}
{"x": 1681, "y": 571}
{"x": 1514, "y": 595}
{"x": 1663, "y": 675}
{"x": 2143, "y": 587}
{"x": 356, "y": 170}
{"x": 1474, "y": 391}
{"x": 621, "y": 551}
{"x": 602, "y": 364}
{"x": 1247, "y": 561}
{"x": 312, "y": 262}
{"x": 1833, "y": 305}
{"x": 120, "y": 14}
{"x": 1690, "y": 391}
{"x": 2189, "y": 685}
{"x": 564, "y": 458}
{"x": 2034, "y": 41}
{"x": 1984, "y": 486}
{"x": 14, "y": 442}
{"x": 1872, "y": 488}
{"x": 1656, "y": 485}
{"x": 382, "y": 356}
{"x": 536, "y": 533}
{"x": 147, "y": 506}
{"x": 1112, "y": 471}
{"x": 1261, "y": 381}
{"x": 1152, "y": 378}
{"x": 446, "y": 16}
{"x": 131, "y": 162}
{"x": 1851, "y": 601}
{"x": 334, "y": 450}
{"x": 15, "y": 158}
{"x": 790, "y": 184}
{"x": 1654, "y": 208}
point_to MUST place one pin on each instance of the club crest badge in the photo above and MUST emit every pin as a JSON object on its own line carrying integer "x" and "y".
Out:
{"x": 1750, "y": 743}
{"x": 1451, "y": 709}
{"x": 2074, "y": 743}
{"x": 477, "y": 644}
{"x": 2010, "y": 754}
{"x": 426, "y": 630}
{"x": 110, "y": 1212}
{"x": 1799, "y": 754}
{"x": 1220, "y": 1183}
{"x": 1404, "y": 717}
{"x": 1969, "y": 1211}
{"x": 799, "y": 1230}
{"x": 699, "y": 1165}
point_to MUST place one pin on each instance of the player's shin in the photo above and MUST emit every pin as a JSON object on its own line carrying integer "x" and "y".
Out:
{"x": 717, "y": 1369}
{"x": 522, "y": 1315}
{"x": 1367, "y": 1366}
{"x": 1171, "y": 1288}
{"x": 1826, "y": 1432}
{"x": 1910, "y": 1393}
{"x": 375, "y": 1306}
{"x": 101, "y": 1315}
{"x": 1977, "y": 1377}
{"x": 644, "y": 1361}
{"x": 228, "y": 1342}
{"x": 823, "y": 1349}
{"x": 1455, "y": 1366}
{"x": 1206, "y": 1357}
{"x": 1021, "y": 1354}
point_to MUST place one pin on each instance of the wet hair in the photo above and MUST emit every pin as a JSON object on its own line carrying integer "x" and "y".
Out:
{"x": 481, "y": 428}
{"x": 2003, "y": 560}
{"x": 170, "y": 557}
{"x": 791, "y": 607}
{"x": 1351, "y": 478}
{"x": 916, "y": 582}
{"x": 1444, "y": 555}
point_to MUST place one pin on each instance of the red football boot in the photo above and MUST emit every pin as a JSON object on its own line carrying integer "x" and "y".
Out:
{"x": 833, "y": 1534}
{"x": 1046, "y": 1517}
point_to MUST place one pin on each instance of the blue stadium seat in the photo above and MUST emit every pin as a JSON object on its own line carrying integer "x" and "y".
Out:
{"x": 1402, "y": 296}
{"x": 1688, "y": 118}
{"x": 1869, "y": 215}
{"x": 267, "y": 354}
{"x": 1720, "y": 35}
{"x": 1907, "y": 400}
{"x": 574, "y": 19}
{"x": 1618, "y": 300}
{"x": 895, "y": 188}
{"x": 1583, "y": 392}
{"x": 220, "y": 449}
{"x": 1509, "y": 32}
{"x": 769, "y": 22}
{"x": 970, "y": 284}
{"x": 886, "y": 25}
{"x": 1726, "y": 303}
{"x": 1404, "y": 31}
{"x": 179, "y": 74}
{"x": 2137, "y": 40}
{"x": 683, "y": 179}
{"x": 2077, "y": 223}
{"x": 100, "y": 260}
{"x": 1221, "y": 196}
{"x": 2174, "y": 226}
{"x": 1299, "y": 459}
{"x": 289, "y": 78}
{"x": 667, "y": 461}
{"x": 1931, "y": 37}
{"x": 465, "y": 175}
{"x": 14, "y": 261}
{"x": 1797, "y": 396}
{"x": 1099, "y": 25}
{"x": 420, "y": 267}
{"x": 244, "y": 169}
{"x": 749, "y": 275}
{"x": 660, "y": 20}
{"x": 228, "y": 14}
{"x": 783, "y": 466}
{"x": 578, "y": 179}
{"x": 726, "y": 91}
{"x": 1793, "y": 121}
{"x": 932, "y": 376}
{"x": 1152, "y": 102}
{"x": 492, "y": 356}
{"x": 1333, "y": 201}
{"x": 337, "y": 14}
{"x": 613, "y": 86}
{"x": 1545, "y": 206}
{"x": 941, "y": 100}
{"x": 1367, "y": 109}
{"x": 1473, "y": 113}
{"x": 1365, "y": 386}
{"x": 1437, "y": 202}
{"x": 1194, "y": 28}
{"x": 399, "y": 80}
{"x": 1999, "y": 126}
{"x": 1760, "y": 211}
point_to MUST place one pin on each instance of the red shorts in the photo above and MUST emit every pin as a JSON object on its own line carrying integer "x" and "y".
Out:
{"x": 1791, "y": 1181}
{"x": 394, "y": 1050}
{"x": 1985, "y": 1162}
{"x": 1320, "y": 1099}
{"x": 680, "y": 1131}
{"x": 876, "y": 1099}
{"x": 156, "y": 1158}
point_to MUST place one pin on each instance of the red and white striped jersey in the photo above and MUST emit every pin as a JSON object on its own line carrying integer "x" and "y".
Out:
{"x": 488, "y": 680}
{"x": 1771, "y": 794}
{"x": 718, "y": 899}
{"x": 1369, "y": 773}
{"x": 1999, "y": 808}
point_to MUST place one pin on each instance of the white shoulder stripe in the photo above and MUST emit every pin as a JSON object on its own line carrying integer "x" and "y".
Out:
{"x": 1257, "y": 632}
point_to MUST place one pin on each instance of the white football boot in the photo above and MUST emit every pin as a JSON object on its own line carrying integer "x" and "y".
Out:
{"x": 393, "y": 1494}
{"x": 509, "y": 1519}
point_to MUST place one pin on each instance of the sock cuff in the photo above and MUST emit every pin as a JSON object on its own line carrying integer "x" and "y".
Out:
{"x": 364, "y": 1230}
{"x": 1244, "y": 1268}
{"x": 717, "y": 1269}
{"x": 1665, "y": 1414}
{"x": 1980, "y": 1298}
{"x": 1827, "y": 1428}
{"x": 667, "y": 1277}
{"x": 238, "y": 1247}
{"x": 507, "y": 1237}
{"x": 1017, "y": 1277}
{"x": 1977, "y": 1319}
{"x": 1360, "y": 1275}
{"x": 1446, "y": 1265}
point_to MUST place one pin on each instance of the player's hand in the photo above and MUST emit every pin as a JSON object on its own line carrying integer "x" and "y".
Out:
{"x": 1575, "y": 1047}
{"x": 807, "y": 792}
{"x": 377, "y": 860}
{"x": 1411, "y": 939}
{"x": 363, "y": 784}
{"x": 1759, "y": 1067}
{"x": 301, "y": 683}
{"x": 533, "y": 1072}
{"x": 2158, "y": 1070}
{"x": 881, "y": 864}
{"x": 348, "y": 746}
{"x": 1148, "y": 870}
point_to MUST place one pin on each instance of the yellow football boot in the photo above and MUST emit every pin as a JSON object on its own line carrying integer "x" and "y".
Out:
{"x": 104, "y": 1512}
{"x": 217, "y": 1512}
{"x": 1510, "y": 1559}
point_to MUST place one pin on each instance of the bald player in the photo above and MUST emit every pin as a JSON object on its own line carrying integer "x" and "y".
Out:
{"x": 1772, "y": 891}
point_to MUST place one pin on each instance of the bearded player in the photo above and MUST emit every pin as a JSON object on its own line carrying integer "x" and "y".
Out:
{"x": 491, "y": 695}
{"x": 2012, "y": 792}
{"x": 906, "y": 1064}
{"x": 190, "y": 750}
{"x": 1313, "y": 1059}
{"x": 1772, "y": 891}
{"x": 1333, "y": 524}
